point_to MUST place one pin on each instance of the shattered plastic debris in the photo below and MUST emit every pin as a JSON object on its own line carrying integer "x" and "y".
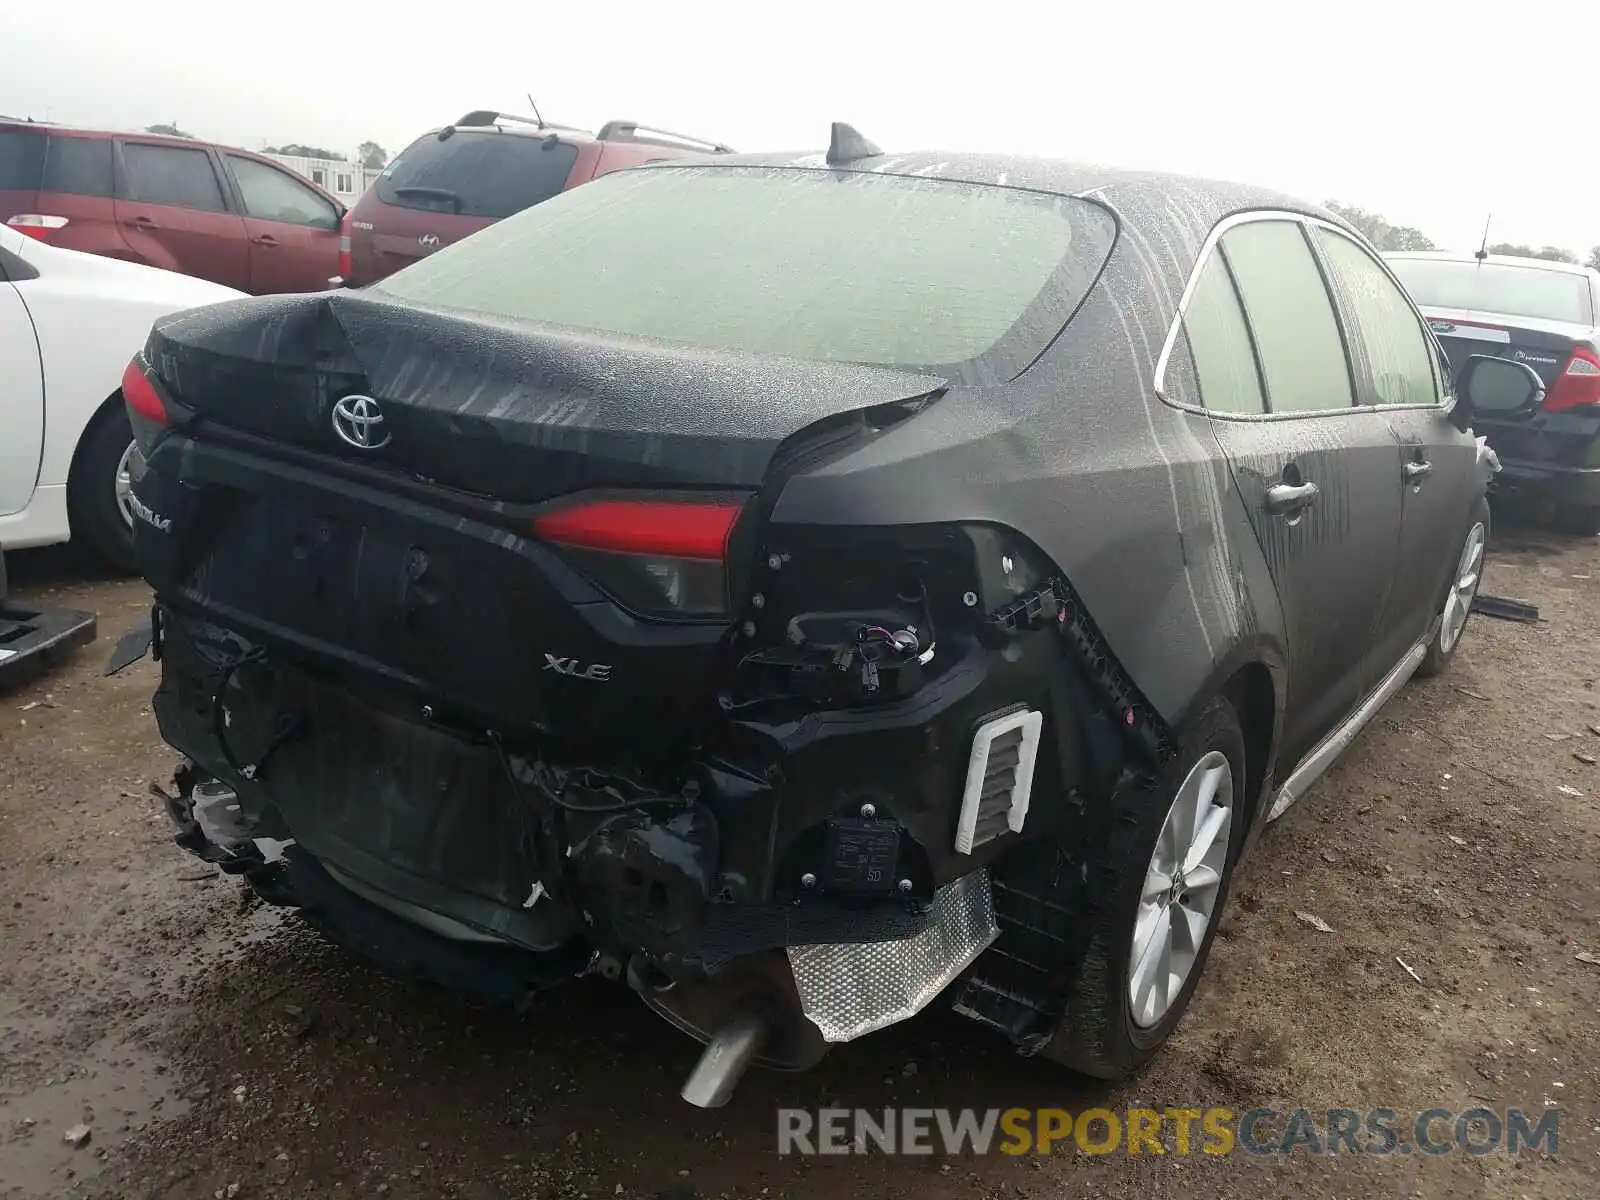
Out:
{"x": 1457, "y": 839}
{"x": 1407, "y": 967}
{"x": 535, "y": 895}
{"x": 1584, "y": 956}
{"x": 1568, "y": 791}
{"x": 1314, "y": 921}
{"x": 77, "y": 1137}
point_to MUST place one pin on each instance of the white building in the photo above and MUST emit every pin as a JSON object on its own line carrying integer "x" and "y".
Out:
{"x": 346, "y": 180}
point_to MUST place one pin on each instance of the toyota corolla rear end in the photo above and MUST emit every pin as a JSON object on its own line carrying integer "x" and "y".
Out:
{"x": 491, "y": 642}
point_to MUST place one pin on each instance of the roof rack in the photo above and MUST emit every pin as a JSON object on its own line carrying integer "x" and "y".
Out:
{"x": 479, "y": 117}
{"x": 632, "y": 131}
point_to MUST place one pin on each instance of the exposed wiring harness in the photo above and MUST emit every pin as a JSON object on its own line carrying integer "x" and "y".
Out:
{"x": 289, "y": 724}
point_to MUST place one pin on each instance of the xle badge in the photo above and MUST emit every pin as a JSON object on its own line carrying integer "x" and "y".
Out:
{"x": 597, "y": 672}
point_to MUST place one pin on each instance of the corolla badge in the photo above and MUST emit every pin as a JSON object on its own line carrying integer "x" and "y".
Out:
{"x": 1442, "y": 326}
{"x": 428, "y": 240}
{"x": 359, "y": 422}
{"x": 148, "y": 515}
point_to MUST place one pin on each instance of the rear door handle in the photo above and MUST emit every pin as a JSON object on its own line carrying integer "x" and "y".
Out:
{"x": 140, "y": 223}
{"x": 264, "y": 239}
{"x": 1287, "y": 499}
{"x": 1417, "y": 471}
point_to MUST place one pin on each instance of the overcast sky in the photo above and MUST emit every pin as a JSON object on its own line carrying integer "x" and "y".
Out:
{"x": 1389, "y": 104}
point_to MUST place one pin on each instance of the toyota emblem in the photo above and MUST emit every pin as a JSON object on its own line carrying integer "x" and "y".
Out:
{"x": 359, "y": 422}
{"x": 429, "y": 240}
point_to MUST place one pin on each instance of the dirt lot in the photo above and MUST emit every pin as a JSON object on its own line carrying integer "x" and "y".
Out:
{"x": 217, "y": 1049}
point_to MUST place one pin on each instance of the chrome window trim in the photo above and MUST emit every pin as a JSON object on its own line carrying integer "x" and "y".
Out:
{"x": 1307, "y": 222}
{"x": 1440, "y": 386}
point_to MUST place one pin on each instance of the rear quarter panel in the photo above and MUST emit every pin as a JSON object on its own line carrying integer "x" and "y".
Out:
{"x": 1130, "y": 497}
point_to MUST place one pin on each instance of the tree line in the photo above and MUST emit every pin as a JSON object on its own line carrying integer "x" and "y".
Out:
{"x": 369, "y": 154}
{"x": 1386, "y": 236}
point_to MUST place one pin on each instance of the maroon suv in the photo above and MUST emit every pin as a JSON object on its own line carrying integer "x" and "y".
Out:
{"x": 218, "y": 213}
{"x": 454, "y": 181}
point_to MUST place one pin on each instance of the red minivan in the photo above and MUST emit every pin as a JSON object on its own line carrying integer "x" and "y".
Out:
{"x": 210, "y": 211}
{"x": 456, "y": 180}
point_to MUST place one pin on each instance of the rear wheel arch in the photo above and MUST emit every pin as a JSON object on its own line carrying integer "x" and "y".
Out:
{"x": 1253, "y": 694}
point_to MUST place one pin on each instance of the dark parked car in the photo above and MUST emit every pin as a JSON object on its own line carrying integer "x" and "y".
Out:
{"x": 210, "y": 211}
{"x": 467, "y": 175}
{"x": 805, "y": 586}
{"x": 1547, "y": 315}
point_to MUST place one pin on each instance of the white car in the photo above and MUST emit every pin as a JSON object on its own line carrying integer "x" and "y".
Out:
{"x": 69, "y": 324}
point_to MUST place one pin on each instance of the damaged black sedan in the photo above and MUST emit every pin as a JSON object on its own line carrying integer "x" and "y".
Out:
{"x": 804, "y": 587}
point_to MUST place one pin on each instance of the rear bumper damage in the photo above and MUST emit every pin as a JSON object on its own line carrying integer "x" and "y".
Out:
{"x": 791, "y": 881}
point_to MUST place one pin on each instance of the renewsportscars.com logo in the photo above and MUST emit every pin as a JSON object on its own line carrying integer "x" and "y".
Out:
{"x": 1180, "y": 1131}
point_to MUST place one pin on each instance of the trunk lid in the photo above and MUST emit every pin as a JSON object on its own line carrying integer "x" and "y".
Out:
{"x": 511, "y": 412}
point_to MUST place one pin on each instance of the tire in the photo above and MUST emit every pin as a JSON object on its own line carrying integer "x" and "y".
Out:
{"x": 1442, "y": 649}
{"x": 1100, "y": 1034}
{"x": 1581, "y": 520}
{"x": 96, "y": 517}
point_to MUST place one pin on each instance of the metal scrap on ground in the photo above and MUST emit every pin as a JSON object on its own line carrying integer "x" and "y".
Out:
{"x": 1505, "y": 610}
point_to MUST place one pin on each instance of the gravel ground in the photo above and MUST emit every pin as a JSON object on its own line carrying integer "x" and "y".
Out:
{"x": 215, "y": 1048}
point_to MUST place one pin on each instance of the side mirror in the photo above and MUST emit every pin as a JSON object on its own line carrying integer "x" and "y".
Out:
{"x": 1495, "y": 387}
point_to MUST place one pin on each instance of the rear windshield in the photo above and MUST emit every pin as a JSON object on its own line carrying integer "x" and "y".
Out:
{"x": 858, "y": 267}
{"x": 1497, "y": 288}
{"x": 477, "y": 174}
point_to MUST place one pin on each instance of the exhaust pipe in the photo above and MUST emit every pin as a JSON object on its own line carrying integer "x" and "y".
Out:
{"x": 727, "y": 1055}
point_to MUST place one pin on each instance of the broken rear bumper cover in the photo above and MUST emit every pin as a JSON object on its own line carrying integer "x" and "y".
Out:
{"x": 798, "y": 869}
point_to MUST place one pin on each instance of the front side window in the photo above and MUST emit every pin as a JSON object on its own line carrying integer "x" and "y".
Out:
{"x": 171, "y": 175}
{"x": 273, "y": 195}
{"x": 1291, "y": 316}
{"x": 850, "y": 267}
{"x": 1399, "y": 354}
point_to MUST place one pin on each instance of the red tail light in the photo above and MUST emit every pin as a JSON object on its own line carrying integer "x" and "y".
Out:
{"x": 141, "y": 395}
{"x": 1578, "y": 385}
{"x": 37, "y": 225}
{"x": 345, "y": 263}
{"x": 662, "y": 558}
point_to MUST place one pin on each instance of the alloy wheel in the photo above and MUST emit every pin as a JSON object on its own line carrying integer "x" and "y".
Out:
{"x": 1463, "y": 588}
{"x": 129, "y": 468}
{"x": 1182, "y": 885}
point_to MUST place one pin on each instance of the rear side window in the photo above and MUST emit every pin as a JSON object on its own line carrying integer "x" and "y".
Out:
{"x": 1287, "y": 305}
{"x": 853, "y": 267}
{"x": 1511, "y": 291}
{"x": 171, "y": 175}
{"x": 273, "y": 195}
{"x": 78, "y": 166}
{"x": 21, "y": 160}
{"x": 1218, "y": 344}
{"x": 1399, "y": 355}
{"x": 477, "y": 174}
